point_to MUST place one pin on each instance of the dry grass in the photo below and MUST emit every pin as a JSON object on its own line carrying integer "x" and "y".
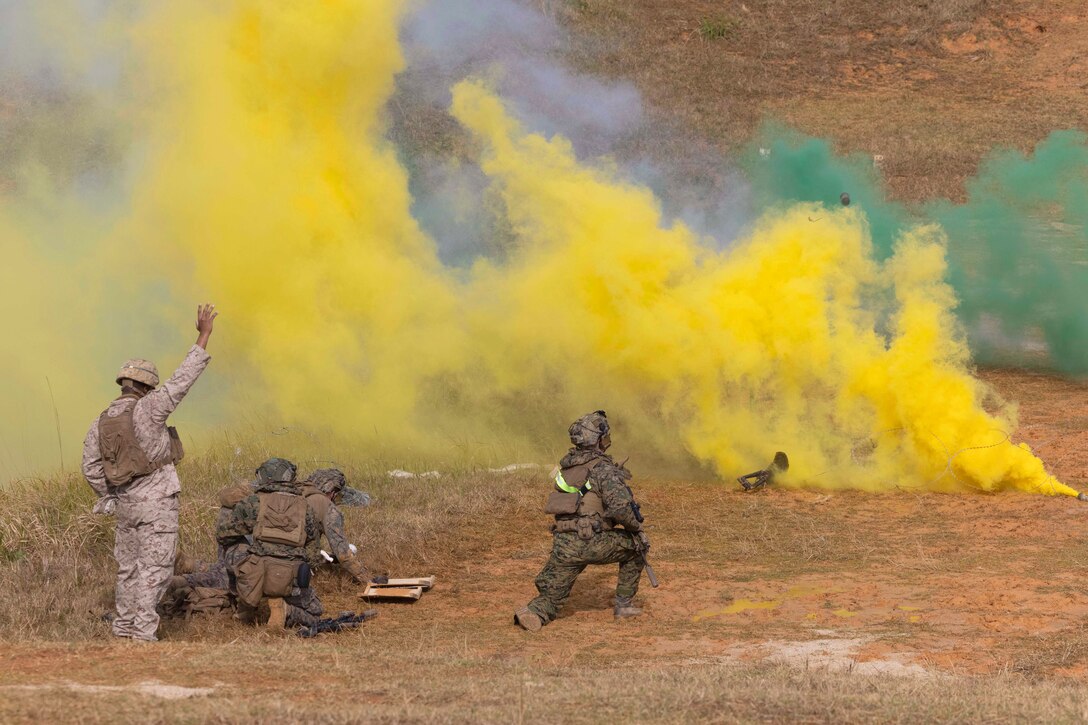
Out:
{"x": 56, "y": 555}
{"x": 455, "y": 657}
{"x": 345, "y": 686}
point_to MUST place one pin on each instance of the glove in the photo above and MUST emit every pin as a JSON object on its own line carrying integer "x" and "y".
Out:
{"x": 644, "y": 540}
{"x": 105, "y": 506}
{"x": 355, "y": 568}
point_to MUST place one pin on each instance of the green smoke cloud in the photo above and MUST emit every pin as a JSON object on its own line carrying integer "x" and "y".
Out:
{"x": 1018, "y": 251}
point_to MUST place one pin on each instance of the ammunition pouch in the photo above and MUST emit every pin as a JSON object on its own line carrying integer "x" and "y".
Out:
{"x": 585, "y": 526}
{"x": 269, "y": 576}
{"x": 588, "y": 527}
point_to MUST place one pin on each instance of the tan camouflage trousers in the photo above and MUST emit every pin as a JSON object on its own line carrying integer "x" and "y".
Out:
{"x": 145, "y": 545}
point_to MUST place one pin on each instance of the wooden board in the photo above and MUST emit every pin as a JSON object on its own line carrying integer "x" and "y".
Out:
{"x": 425, "y": 581}
{"x": 386, "y": 592}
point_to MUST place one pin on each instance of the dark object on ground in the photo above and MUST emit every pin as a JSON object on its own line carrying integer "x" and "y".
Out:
{"x": 347, "y": 620}
{"x": 759, "y": 479}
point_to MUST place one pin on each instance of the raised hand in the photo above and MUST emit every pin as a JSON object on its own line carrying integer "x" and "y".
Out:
{"x": 205, "y": 317}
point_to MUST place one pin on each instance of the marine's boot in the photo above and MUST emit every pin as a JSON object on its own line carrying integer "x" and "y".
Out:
{"x": 277, "y": 613}
{"x": 176, "y": 582}
{"x": 527, "y": 619}
{"x": 245, "y": 613}
{"x": 185, "y": 564}
{"x": 625, "y": 608}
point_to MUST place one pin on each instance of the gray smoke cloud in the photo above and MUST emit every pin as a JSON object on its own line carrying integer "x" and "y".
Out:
{"x": 524, "y": 55}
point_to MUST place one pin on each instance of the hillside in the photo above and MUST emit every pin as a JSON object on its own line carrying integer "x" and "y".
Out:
{"x": 931, "y": 86}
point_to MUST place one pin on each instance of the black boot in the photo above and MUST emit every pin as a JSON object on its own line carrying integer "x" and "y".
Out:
{"x": 625, "y": 608}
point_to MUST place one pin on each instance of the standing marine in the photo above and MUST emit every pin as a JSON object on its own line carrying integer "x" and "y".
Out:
{"x": 129, "y": 459}
{"x": 597, "y": 521}
{"x": 279, "y": 534}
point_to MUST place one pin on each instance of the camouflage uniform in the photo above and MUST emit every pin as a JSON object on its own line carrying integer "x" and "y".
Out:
{"x": 146, "y": 534}
{"x": 219, "y": 574}
{"x": 303, "y": 605}
{"x": 330, "y": 519}
{"x": 317, "y": 489}
{"x": 599, "y": 541}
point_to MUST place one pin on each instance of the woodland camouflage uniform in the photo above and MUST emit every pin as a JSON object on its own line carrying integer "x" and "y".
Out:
{"x": 146, "y": 508}
{"x": 303, "y": 605}
{"x": 219, "y": 574}
{"x": 317, "y": 488}
{"x": 322, "y": 484}
{"x": 601, "y": 533}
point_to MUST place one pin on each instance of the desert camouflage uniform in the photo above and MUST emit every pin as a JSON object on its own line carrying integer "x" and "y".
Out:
{"x": 147, "y": 508}
{"x": 303, "y": 606}
{"x": 572, "y": 554}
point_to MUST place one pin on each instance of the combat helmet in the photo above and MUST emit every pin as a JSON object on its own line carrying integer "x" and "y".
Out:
{"x": 587, "y": 431}
{"x": 276, "y": 470}
{"x": 332, "y": 481}
{"x": 328, "y": 480}
{"x": 140, "y": 370}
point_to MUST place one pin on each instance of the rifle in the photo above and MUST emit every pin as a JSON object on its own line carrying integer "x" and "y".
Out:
{"x": 348, "y": 620}
{"x": 759, "y": 479}
{"x": 641, "y": 549}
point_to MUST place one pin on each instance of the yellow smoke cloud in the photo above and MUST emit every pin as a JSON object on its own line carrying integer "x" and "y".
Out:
{"x": 771, "y": 344}
{"x": 267, "y": 185}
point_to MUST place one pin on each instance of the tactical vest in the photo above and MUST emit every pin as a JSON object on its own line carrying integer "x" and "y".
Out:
{"x": 281, "y": 519}
{"x": 123, "y": 460}
{"x": 320, "y": 503}
{"x": 576, "y": 505}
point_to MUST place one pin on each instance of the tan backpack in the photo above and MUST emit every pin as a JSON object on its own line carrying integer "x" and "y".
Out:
{"x": 281, "y": 519}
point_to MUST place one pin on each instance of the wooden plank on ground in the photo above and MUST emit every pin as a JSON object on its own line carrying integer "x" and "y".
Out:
{"x": 374, "y": 592}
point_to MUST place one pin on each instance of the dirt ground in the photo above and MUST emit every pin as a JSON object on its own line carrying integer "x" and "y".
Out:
{"x": 930, "y": 87}
{"x": 902, "y": 587}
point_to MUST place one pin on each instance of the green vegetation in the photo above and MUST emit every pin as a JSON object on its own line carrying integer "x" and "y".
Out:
{"x": 716, "y": 28}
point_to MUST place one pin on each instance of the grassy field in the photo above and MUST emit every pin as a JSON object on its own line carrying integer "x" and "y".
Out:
{"x": 812, "y": 605}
